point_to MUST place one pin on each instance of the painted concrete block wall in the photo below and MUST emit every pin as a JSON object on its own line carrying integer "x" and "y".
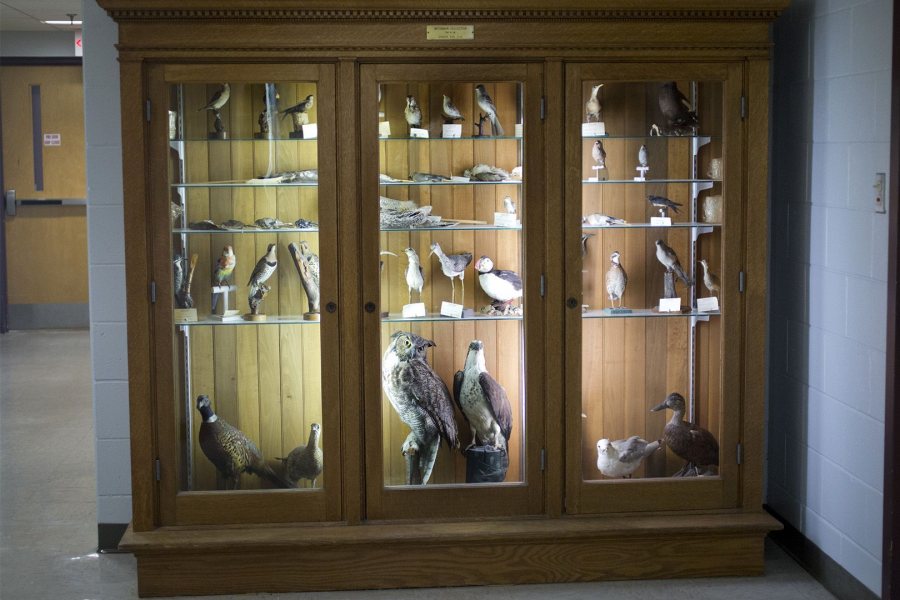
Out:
{"x": 37, "y": 43}
{"x": 106, "y": 248}
{"x": 831, "y": 117}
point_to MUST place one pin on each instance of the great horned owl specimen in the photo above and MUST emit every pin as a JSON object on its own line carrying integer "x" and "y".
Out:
{"x": 421, "y": 400}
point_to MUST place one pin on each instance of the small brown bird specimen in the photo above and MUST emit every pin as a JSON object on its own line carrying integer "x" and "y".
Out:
{"x": 710, "y": 279}
{"x": 305, "y": 462}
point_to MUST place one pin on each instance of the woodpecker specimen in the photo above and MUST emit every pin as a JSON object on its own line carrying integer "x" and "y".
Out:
{"x": 415, "y": 274}
{"x": 694, "y": 444}
{"x": 621, "y": 458}
{"x": 450, "y": 112}
{"x": 592, "y": 107}
{"x": 453, "y": 266}
{"x": 675, "y": 107}
{"x": 482, "y": 401}
{"x": 663, "y": 203}
{"x": 487, "y": 105}
{"x": 710, "y": 279}
{"x": 502, "y": 286}
{"x": 616, "y": 280}
{"x": 305, "y": 462}
{"x": 219, "y": 99}
{"x": 231, "y": 451}
{"x": 412, "y": 113}
{"x": 668, "y": 258}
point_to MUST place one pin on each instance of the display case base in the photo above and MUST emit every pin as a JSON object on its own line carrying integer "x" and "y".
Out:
{"x": 293, "y": 558}
{"x": 310, "y": 316}
{"x": 217, "y": 135}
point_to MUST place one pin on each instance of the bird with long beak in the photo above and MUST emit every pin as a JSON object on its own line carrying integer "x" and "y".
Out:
{"x": 412, "y": 112}
{"x": 502, "y": 286}
{"x": 453, "y": 266}
{"x": 415, "y": 274}
{"x": 694, "y": 444}
{"x": 592, "y": 106}
{"x": 710, "y": 279}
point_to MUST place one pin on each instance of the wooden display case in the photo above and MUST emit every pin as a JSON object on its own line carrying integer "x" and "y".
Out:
{"x": 574, "y": 372}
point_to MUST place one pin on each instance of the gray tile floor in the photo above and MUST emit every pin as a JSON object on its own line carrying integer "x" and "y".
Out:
{"x": 47, "y": 510}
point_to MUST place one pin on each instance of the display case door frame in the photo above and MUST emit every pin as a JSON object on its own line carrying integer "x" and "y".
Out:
{"x": 593, "y": 495}
{"x": 463, "y": 500}
{"x": 176, "y": 507}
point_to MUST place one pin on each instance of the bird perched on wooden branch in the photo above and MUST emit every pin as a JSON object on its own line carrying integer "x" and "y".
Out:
{"x": 453, "y": 266}
{"x": 305, "y": 462}
{"x": 490, "y": 110}
{"x": 264, "y": 268}
{"x": 694, "y": 444}
{"x": 621, "y": 458}
{"x": 301, "y": 107}
{"x": 482, "y": 401}
{"x": 230, "y": 451}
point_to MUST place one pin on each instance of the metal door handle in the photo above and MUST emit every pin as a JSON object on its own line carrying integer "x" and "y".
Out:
{"x": 11, "y": 202}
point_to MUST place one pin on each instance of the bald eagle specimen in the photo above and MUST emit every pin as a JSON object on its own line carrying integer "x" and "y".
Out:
{"x": 482, "y": 401}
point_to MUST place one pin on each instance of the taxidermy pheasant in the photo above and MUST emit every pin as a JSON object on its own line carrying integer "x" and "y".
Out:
{"x": 305, "y": 462}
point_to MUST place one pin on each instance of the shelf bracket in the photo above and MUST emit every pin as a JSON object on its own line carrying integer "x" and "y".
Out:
{"x": 696, "y": 232}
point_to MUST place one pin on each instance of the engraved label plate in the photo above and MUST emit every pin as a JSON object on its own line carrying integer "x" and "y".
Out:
{"x": 415, "y": 132}
{"x": 593, "y": 129}
{"x": 449, "y": 32}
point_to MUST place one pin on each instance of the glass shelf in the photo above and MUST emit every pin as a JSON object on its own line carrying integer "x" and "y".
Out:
{"x": 242, "y": 184}
{"x": 248, "y": 230}
{"x": 208, "y": 321}
{"x": 642, "y": 313}
{"x": 460, "y": 227}
{"x": 685, "y": 225}
{"x": 649, "y": 181}
{"x": 483, "y": 138}
{"x": 244, "y": 139}
{"x": 458, "y": 182}
{"x": 704, "y": 139}
{"x": 437, "y": 317}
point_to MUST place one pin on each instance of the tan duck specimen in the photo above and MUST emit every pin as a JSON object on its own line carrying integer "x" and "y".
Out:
{"x": 305, "y": 462}
{"x": 694, "y": 444}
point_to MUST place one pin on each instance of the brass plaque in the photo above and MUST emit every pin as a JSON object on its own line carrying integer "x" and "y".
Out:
{"x": 450, "y": 32}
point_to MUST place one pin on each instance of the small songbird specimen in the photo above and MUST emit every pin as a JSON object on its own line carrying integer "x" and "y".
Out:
{"x": 300, "y": 107}
{"x": 669, "y": 260}
{"x": 599, "y": 154}
{"x": 487, "y": 105}
{"x": 592, "y": 106}
{"x": 482, "y": 401}
{"x": 415, "y": 274}
{"x": 584, "y": 240}
{"x": 694, "y": 444}
{"x": 450, "y": 112}
{"x": 412, "y": 113}
{"x": 264, "y": 268}
{"x": 502, "y": 286}
{"x": 643, "y": 160}
{"x": 224, "y": 266}
{"x": 305, "y": 462}
{"x": 231, "y": 451}
{"x": 616, "y": 280}
{"x": 422, "y": 402}
{"x": 453, "y": 265}
{"x": 663, "y": 203}
{"x": 509, "y": 205}
{"x": 675, "y": 107}
{"x": 219, "y": 99}
{"x": 621, "y": 458}
{"x": 710, "y": 279}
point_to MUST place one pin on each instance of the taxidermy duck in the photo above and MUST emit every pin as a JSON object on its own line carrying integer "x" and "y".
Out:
{"x": 694, "y": 444}
{"x": 621, "y": 458}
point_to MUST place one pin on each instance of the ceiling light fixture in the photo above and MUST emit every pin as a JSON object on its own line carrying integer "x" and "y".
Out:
{"x": 70, "y": 22}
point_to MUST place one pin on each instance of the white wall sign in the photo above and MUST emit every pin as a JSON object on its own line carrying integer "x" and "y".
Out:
{"x": 52, "y": 139}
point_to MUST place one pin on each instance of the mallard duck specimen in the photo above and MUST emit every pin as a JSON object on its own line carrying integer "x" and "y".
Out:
{"x": 305, "y": 462}
{"x": 694, "y": 444}
{"x": 621, "y": 458}
{"x": 231, "y": 451}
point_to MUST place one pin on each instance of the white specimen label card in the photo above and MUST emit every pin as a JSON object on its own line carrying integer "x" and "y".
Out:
{"x": 310, "y": 132}
{"x": 418, "y": 133}
{"x": 185, "y": 315}
{"x": 448, "y": 309}
{"x": 384, "y": 129}
{"x": 451, "y": 131}
{"x": 661, "y": 221}
{"x": 593, "y": 129}
{"x": 519, "y": 128}
{"x": 670, "y": 305}
{"x": 417, "y": 309}
{"x": 505, "y": 220}
{"x": 707, "y": 304}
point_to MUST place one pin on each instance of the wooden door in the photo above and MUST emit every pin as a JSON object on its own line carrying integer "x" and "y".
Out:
{"x": 43, "y": 161}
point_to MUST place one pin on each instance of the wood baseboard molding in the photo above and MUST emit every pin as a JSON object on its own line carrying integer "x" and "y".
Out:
{"x": 833, "y": 577}
{"x": 292, "y": 558}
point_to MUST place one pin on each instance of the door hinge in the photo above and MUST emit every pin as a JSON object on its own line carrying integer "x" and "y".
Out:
{"x": 542, "y": 285}
{"x": 743, "y": 107}
{"x": 147, "y": 110}
{"x": 543, "y": 107}
{"x": 739, "y": 453}
{"x": 742, "y": 282}
{"x": 543, "y": 458}
{"x": 157, "y": 470}
{"x": 152, "y": 292}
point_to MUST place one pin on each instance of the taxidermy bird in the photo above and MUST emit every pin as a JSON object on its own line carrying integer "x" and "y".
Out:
{"x": 449, "y": 110}
{"x": 621, "y": 458}
{"x": 219, "y": 99}
{"x": 663, "y": 203}
{"x": 224, "y": 266}
{"x": 415, "y": 274}
{"x": 300, "y": 107}
{"x": 643, "y": 159}
{"x": 502, "y": 286}
{"x": 487, "y": 105}
{"x": 422, "y": 402}
{"x": 669, "y": 260}
{"x": 675, "y": 107}
{"x": 584, "y": 240}
{"x": 710, "y": 279}
{"x": 616, "y": 280}
{"x": 482, "y": 401}
{"x": 694, "y": 444}
{"x": 264, "y": 268}
{"x": 509, "y": 205}
{"x": 231, "y": 451}
{"x": 453, "y": 266}
{"x": 599, "y": 154}
{"x": 592, "y": 106}
{"x": 599, "y": 219}
{"x": 483, "y": 172}
{"x": 421, "y": 177}
{"x": 305, "y": 462}
{"x": 412, "y": 113}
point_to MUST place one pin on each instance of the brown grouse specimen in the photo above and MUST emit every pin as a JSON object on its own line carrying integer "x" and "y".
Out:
{"x": 305, "y": 462}
{"x": 694, "y": 444}
{"x": 231, "y": 451}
